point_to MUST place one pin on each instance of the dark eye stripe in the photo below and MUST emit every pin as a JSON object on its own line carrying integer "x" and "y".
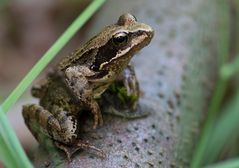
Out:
{"x": 105, "y": 53}
{"x": 109, "y": 50}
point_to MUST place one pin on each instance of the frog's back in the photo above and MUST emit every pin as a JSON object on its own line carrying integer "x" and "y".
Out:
{"x": 87, "y": 52}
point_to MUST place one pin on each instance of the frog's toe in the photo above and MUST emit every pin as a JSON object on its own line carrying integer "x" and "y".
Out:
{"x": 96, "y": 121}
{"x": 70, "y": 150}
{"x": 87, "y": 146}
{"x": 100, "y": 119}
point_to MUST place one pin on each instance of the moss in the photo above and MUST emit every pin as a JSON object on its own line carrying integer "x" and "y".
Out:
{"x": 120, "y": 91}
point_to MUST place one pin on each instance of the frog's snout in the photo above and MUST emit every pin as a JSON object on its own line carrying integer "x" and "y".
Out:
{"x": 149, "y": 32}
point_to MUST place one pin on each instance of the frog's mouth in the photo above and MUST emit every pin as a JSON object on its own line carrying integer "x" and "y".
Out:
{"x": 143, "y": 40}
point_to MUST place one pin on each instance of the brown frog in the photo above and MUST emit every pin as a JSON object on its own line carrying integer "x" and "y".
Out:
{"x": 80, "y": 78}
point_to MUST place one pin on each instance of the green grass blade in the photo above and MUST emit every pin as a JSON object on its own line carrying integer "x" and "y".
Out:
{"x": 208, "y": 127}
{"x": 224, "y": 130}
{"x": 233, "y": 163}
{"x": 5, "y": 154}
{"x": 231, "y": 69}
{"x": 214, "y": 105}
{"x": 9, "y": 138}
{"x": 13, "y": 146}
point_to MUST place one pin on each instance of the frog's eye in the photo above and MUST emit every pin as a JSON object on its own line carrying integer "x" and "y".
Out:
{"x": 120, "y": 38}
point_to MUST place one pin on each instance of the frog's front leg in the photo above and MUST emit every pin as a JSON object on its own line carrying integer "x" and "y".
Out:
{"x": 78, "y": 84}
{"x": 129, "y": 79}
{"x": 59, "y": 125}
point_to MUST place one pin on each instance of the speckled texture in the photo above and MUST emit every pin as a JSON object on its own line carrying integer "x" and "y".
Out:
{"x": 176, "y": 75}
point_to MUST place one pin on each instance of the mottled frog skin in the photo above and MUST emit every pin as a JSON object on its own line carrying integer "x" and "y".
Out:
{"x": 81, "y": 77}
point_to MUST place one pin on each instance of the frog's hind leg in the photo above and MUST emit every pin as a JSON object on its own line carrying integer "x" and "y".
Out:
{"x": 43, "y": 123}
{"x": 40, "y": 122}
{"x": 58, "y": 125}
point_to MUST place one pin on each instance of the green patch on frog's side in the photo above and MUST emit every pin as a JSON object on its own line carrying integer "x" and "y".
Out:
{"x": 121, "y": 92}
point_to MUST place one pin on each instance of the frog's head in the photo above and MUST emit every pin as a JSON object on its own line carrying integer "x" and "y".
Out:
{"x": 121, "y": 41}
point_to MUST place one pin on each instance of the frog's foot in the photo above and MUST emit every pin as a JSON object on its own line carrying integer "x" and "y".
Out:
{"x": 140, "y": 111}
{"x": 70, "y": 150}
{"x": 95, "y": 110}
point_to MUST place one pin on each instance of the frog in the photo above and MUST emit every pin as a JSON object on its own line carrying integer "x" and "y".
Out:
{"x": 80, "y": 78}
